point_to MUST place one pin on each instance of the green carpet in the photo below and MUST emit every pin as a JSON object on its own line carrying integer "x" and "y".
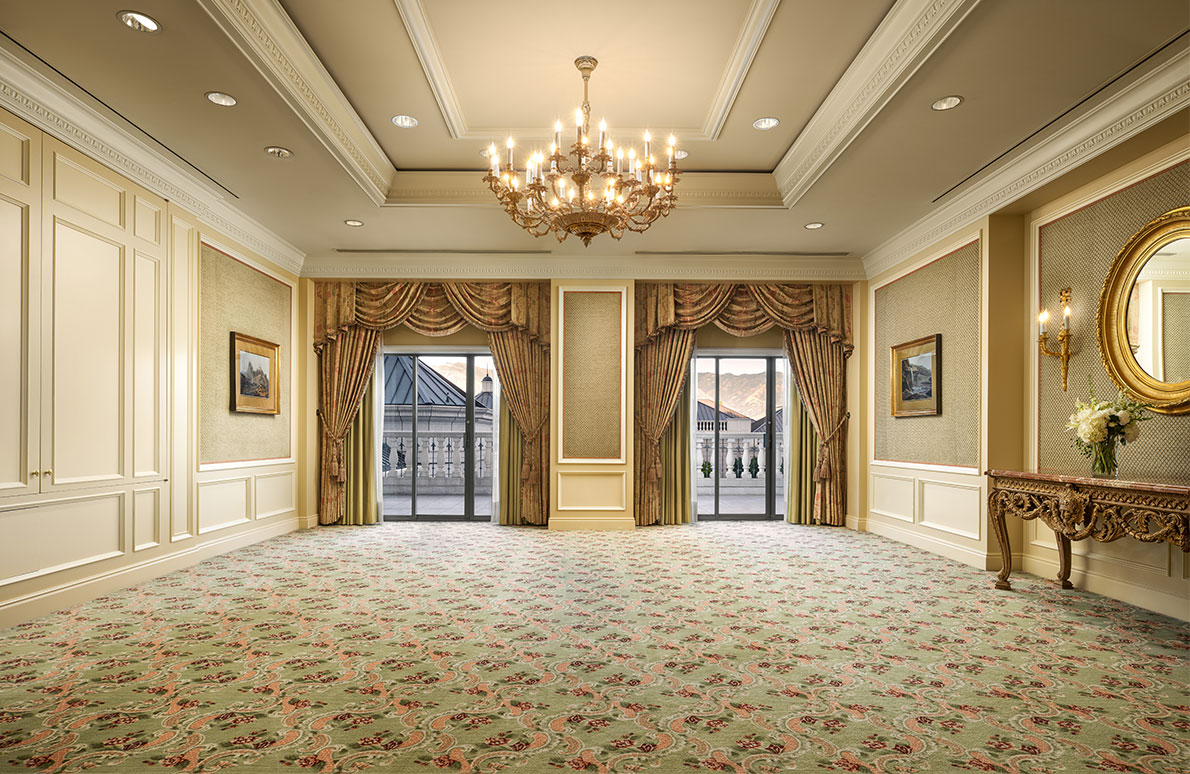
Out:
{"x": 736, "y": 647}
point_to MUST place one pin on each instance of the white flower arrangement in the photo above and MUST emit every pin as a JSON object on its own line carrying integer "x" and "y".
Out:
{"x": 1098, "y": 425}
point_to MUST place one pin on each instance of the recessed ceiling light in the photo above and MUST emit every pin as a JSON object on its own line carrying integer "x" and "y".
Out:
{"x": 353, "y": 223}
{"x": 138, "y": 21}
{"x": 813, "y": 225}
{"x": 764, "y": 124}
{"x": 219, "y": 98}
{"x": 680, "y": 154}
{"x": 946, "y": 103}
{"x": 277, "y": 152}
{"x": 405, "y": 122}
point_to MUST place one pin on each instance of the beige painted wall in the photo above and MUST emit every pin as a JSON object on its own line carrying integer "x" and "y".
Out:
{"x": 234, "y": 296}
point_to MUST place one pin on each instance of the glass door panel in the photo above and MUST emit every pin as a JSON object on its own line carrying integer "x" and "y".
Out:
{"x": 778, "y": 457}
{"x": 441, "y": 427}
{"x": 743, "y": 408}
{"x": 483, "y": 438}
{"x": 706, "y": 461}
{"x": 396, "y": 449}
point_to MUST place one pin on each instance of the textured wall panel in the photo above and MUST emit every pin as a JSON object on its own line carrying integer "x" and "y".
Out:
{"x": 1077, "y": 251}
{"x": 591, "y": 374}
{"x": 942, "y": 297}
{"x": 1175, "y": 335}
{"x": 233, "y": 296}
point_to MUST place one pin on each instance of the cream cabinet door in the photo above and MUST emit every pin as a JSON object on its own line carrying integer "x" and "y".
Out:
{"x": 20, "y": 250}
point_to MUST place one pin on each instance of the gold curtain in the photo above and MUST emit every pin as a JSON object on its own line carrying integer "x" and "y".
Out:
{"x": 511, "y": 446}
{"x": 819, "y": 368}
{"x": 516, "y": 317}
{"x": 803, "y": 449}
{"x": 661, "y": 367}
{"x": 360, "y": 459}
{"x": 675, "y": 456}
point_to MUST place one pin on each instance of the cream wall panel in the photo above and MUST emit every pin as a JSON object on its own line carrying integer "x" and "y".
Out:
{"x": 146, "y": 518}
{"x": 15, "y": 462}
{"x": 15, "y": 154}
{"x": 146, "y": 220}
{"x": 223, "y": 502}
{"x": 83, "y": 529}
{"x": 275, "y": 493}
{"x": 183, "y": 344}
{"x": 87, "y": 192}
{"x": 951, "y": 507}
{"x": 892, "y": 496}
{"x": 147, "y": 367}
{"x": 87, "y": 388}
{"x": 592, "y": 491}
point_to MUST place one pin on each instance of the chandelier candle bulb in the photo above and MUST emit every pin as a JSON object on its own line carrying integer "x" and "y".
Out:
{"x": 648, "y": 142}
{"x": 602, "y": 133}
{"x": 558, "y": 134}
{"x": 510, "y": 144}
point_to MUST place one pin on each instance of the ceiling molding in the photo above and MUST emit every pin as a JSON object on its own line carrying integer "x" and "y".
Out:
{"x": 421, "y": 34}
{"x": 905, "y": 39}
{"x": 47, "y": 105}
{"x": 533, "y": 266}
{"x": 268, "y": 38}
{"x": 697, "y": 189}
{"x": 1132, "y": 106}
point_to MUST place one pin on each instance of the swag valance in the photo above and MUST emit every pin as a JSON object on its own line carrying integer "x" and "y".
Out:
{"x": 816, "y": 320}
{"x": 349, "y": 320}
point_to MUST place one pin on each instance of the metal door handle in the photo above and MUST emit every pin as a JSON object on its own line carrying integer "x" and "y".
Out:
{"x": 47, "y": 473}
{"x": 33, "y": 474}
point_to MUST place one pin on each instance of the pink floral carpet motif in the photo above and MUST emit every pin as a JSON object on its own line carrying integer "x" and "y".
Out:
{"x": 735, "y": 647}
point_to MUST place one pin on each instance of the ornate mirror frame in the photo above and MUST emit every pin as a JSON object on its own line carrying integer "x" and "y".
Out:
{"x": 1114, "y": 349}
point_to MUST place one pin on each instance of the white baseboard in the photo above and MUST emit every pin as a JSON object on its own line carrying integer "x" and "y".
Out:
{"x": 45, "y": 601}
{"x": 1173, "y": 605}
{"x": 308, "y": 522}
{"x": 982, "y": 560}
{"x": 857, "y": 523}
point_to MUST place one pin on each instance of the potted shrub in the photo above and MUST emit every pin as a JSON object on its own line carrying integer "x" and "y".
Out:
{"x": 737, "y": 467}
{"x": 706, "y": 468}
{"x": 754, "y": 467}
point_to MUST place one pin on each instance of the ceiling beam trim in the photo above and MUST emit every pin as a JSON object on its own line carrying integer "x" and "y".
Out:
{"x": 910, "y": 33}
{"x": 760, "y": 15}
{"x": 46, "y": 104}
{"x": 1132, "y": 106}
{"x": 268, "y": 38}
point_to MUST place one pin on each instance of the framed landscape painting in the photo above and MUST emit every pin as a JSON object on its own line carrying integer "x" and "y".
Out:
{"x": 917, "y": 377}
{"x": 254, "y": 372}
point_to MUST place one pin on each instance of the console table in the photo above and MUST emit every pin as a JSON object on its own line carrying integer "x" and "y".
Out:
{"x": 1079, "y": 507}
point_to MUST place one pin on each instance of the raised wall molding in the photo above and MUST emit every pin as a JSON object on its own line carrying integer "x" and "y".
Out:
{"x": 1129, "y": 109}
{"x": 421, "y": 34}
{"x": 43, "y": 102}
{"x": 742, "y": 268}
{"x": 905, "y": 39}
{"x": 268, "y": 38}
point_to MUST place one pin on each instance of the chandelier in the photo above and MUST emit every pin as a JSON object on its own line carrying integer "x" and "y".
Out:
{"x": 595, "y": 190}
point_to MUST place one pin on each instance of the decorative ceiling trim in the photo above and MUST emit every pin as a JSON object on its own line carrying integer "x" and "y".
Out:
{"x": 909, "y": 34}
{"x": 1129, "y": 109}
{"x": 531, "y": 266}
{"x": 268, "y": 38}
{"x": 417, "y": 24}
{"x": 47, "y": 105}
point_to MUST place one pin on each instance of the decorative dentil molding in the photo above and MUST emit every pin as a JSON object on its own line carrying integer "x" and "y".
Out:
{"x": 268, "y": 38}
{"x": 421, "y": 34}
{"x": 47, "y": 105}
{"x": 1126, "y": 111}
{"x": 530, "y": 266}
{"x": 909, "y": 34}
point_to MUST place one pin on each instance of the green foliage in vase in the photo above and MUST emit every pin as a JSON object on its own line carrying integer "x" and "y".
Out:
{"x": 1098, "y": 425}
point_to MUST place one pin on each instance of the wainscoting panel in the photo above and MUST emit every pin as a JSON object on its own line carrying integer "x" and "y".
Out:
{"x": 147, "y": 218}
{"x": 87, "y": 192}
{"x": 83, "y": 529}
{"x": 935, "y": 507}
{"x": 893, "y": 496}
{"x": 17, "y": 457}
{"x": 147, "y": 373}
{"x": 146, "y": 518}
{"x": 223, "y": 502}
{"x": 15, "y": 153}
{"x": 592, "y": 491}
{"x": 951, "y": 507}
{"x": 274, "y": 493}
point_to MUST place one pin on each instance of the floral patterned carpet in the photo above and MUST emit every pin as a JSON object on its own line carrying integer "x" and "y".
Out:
{"x": 736, "y": 647}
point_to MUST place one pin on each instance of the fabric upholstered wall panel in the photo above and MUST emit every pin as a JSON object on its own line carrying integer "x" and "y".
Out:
{"x": 941, "y": 297}
{"x": 1175, "y": 336}
{"x": 592, "y": 374}
{"x": 233, "y": 296}
{"x": 1077, "y": 251}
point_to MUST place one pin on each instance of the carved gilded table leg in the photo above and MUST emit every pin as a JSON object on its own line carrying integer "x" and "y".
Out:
{"x": 996, "y": 515}
{"x": 1064, "y": 562}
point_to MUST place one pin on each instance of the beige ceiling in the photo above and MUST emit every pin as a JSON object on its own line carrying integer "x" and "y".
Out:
{"x": 472, "y": 71}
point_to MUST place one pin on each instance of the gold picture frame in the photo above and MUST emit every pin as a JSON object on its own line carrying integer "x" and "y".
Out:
{"x": 255, "y": 368}
{"x": 916, "y": 377}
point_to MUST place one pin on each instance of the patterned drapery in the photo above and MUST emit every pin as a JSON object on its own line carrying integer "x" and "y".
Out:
{"x": 819, "y": 314}
{"x": 349, "y": 318}
{"x": 660, "y": 376}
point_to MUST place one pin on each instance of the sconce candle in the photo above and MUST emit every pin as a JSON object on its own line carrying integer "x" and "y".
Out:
{"x": 1042, "y": 318}
{"x": 1063, "y": 350}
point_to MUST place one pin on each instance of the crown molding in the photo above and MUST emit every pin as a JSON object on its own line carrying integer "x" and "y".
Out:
{"x": 535, "y": 266}
{"x": 1129, "y": 109}
{"x": 268, "y": 38}
{"x": 43, "y": 102}
{"x": 905, "y": 39}
{"x": 421, "y": 34}
{"x": 697, "y": 189}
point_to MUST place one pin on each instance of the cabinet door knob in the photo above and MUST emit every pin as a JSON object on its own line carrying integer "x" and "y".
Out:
{"x": 47, "y": 472}
{"x": 33, "y": 474}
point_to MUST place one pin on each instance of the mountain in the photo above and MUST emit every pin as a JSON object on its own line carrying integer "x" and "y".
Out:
{"x": 740, "y": 392}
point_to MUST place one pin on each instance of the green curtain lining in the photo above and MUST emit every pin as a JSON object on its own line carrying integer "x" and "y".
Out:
{"x": 359, "y": 455}
{"x": 675, "y": 461}
{"x": 510, "y": 468}
{"x": 799, "y": 502}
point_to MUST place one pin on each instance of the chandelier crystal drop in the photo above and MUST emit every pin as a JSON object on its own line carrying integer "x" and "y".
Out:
{"x": 596, "y": 189}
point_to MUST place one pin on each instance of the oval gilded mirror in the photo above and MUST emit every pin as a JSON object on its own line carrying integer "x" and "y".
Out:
{"x": 1144, "y": 314}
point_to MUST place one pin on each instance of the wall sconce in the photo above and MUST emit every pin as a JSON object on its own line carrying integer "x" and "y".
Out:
{"x": 1063, "y": 351}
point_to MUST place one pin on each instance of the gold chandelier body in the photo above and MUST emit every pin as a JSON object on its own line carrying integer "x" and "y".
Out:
{"x": 594, "y": 190}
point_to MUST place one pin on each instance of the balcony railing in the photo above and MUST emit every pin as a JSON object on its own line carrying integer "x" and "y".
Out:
{"x": 440, "y": 462}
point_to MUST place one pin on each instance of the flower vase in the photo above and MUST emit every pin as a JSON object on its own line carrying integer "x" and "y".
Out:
{"x": 1103, "y": 459}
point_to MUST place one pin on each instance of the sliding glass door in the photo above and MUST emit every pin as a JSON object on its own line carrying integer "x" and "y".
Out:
{"x": 438, "y": 436}
{"x": 738, "y": 442}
